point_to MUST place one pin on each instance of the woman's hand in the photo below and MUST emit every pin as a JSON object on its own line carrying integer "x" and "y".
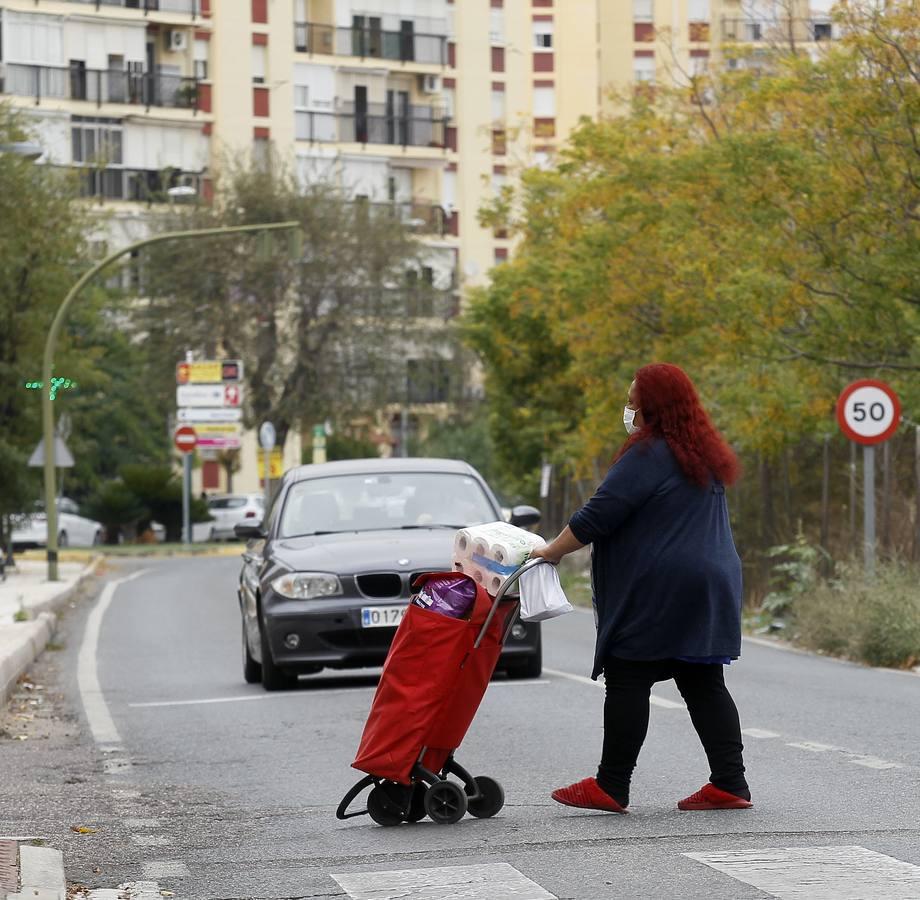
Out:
{"x": 557, "y": 548}
{"x": 545, "y": 553}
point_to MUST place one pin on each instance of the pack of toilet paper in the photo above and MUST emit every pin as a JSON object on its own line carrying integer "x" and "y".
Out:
{"x": 490, "y": 553}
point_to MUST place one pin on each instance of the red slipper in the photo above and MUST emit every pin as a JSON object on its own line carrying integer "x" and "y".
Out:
{"x": 587, "y": 794}
{"x": 711, "y": 797}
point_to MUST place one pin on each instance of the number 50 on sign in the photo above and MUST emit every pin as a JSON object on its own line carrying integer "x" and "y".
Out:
{"x": 868, "y": 412}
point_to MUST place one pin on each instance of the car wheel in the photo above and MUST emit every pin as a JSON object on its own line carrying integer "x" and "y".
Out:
{"x": 62, "y": 540}
{"x": 531, "y": 668}
{"x": 252, "y": 671}
{"x": 274, "y": 678}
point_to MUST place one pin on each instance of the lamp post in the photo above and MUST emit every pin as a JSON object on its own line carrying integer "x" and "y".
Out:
{"x": 51, "y": 340}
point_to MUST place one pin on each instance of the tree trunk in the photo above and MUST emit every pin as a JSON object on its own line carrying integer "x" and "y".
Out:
{"x": 767, "y": 519}
{"x": 825, "y": 498}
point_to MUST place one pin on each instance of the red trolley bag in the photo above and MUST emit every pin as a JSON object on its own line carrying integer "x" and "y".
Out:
{"x": 434, "y": 678}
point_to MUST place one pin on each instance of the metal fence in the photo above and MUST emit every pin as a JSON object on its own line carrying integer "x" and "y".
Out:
{"x": 139, "y": 185}
{"x": 370, "y": 43}
{"x": 189, "y": 7}
{"x": 98, "y": 85}
{"x": 776, "y": 30}
{"x": 365, "y": 128}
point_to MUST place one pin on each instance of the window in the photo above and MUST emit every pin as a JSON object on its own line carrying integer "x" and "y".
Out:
{"x": 96, "y": 141}
{"x": 449, "y": 98}
{"x": 644, "y": 69}
{"x": 499, "y": 180}
{"x": 699, "y": 65}
{"x": 643, "y": 10}
{"x": 497, "y": 25}
{"x": 201, "y": 60}
{"x": 543, "y": 35}
{"x": 258, "y": 63}
{"x": 698, "y": 11}
{"x": 498, "y": 106}
{"x": 544, "y": 102}
{"x": 429, "y": 380}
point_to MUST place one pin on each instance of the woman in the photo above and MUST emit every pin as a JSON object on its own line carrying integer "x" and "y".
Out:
{"x": 667, "y": 589}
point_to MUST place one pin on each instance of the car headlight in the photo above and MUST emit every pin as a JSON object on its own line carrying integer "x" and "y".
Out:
{"x": 307, "y": 585}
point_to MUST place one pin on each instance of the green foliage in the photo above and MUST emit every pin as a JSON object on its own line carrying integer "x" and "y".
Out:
{"x": 343, "y": 446}
{"x": 874, "y": 620}
{"x": 159, "y": 489}
{"x": 464, "y": 437}
{"x": 794, "y": 576}
{"x": 117, "y": 507}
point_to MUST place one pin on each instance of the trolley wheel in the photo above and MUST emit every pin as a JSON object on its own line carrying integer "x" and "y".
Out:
{"x": 383, "y": 809}
{"x": 417, "y": 810}
{"x": 491, "y": 799}
{"x": 445, "y": 802}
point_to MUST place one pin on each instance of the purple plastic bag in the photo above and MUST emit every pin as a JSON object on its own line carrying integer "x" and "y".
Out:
{"x": 451, "y": 595}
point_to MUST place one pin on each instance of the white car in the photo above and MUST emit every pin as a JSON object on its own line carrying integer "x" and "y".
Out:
{"x": 31, "y": 529}
{"x": 229, "y": 510}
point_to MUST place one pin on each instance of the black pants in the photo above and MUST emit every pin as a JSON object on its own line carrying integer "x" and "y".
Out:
{"x": 626, "y": 710}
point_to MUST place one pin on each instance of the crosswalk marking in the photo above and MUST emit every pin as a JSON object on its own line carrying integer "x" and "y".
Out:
{"x": 484, "y": 882}
{"x": 818, "y": 873}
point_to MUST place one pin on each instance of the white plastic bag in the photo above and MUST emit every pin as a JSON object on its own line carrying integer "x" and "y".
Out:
{"x": 542, "y": 596}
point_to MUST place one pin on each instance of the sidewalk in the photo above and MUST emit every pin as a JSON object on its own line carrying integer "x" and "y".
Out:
{"x": 26, "y": 595}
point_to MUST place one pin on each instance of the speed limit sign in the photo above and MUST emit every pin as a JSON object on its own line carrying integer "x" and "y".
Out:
{"x": 868, "y": 411}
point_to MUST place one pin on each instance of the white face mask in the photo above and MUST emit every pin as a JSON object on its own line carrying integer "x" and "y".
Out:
{"x": 628, "y": 416}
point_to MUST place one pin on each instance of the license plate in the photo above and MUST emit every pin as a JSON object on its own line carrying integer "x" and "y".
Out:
{"x": 381, "y": 616}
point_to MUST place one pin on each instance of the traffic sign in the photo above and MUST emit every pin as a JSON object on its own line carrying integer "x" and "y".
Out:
{"x": 185, "y": 438}
{"x": 210, "y": 414}
{"x": 220, "y": 442}
{"x": 209, "y": 371}
{"x": 209, "y": 395}
{"x": 267, "y": 436}
{"x": 275, "y": 464}
{"x": 868, "y": 411}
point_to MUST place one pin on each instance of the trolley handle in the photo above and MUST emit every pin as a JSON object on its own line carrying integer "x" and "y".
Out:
{"x": 500, "y": 594}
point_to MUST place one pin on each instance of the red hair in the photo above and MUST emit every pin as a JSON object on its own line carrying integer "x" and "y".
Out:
{"x": 671, "y": 409}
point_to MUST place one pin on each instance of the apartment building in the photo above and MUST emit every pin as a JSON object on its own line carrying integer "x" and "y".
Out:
{"x": 117, "y": 90}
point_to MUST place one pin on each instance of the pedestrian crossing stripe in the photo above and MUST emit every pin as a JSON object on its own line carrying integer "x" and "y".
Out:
{"x": 818, "y": 873}
{"x": 483, "y": 882}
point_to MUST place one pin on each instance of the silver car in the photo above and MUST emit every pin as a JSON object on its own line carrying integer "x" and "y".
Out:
{"x": 74, "y": 530}
{"x": 229, "y": 510}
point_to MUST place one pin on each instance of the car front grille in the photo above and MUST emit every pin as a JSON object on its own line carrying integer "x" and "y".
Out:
{"x": 380, "y": 584}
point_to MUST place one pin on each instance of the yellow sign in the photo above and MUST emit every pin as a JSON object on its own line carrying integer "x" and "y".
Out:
{"x": 275, "y": 464}
{"x": 207, "y": 371}
{"x": 212, "y": 429}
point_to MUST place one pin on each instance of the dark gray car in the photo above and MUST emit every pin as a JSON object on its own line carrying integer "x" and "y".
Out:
{"x": 326, "y": 578}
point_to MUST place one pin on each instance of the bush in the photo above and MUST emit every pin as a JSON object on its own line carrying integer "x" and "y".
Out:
{"x": 874, "y": 620}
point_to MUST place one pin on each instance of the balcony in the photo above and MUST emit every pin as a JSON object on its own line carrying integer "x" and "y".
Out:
{"x": 191, "y": 8}
{"x": 98, "y": 86}
{"x": 420, "y": 126}
{"x": 776, "y": 31}
{"x": 370, "y": 43}
{"x": 419, "y": 216}
{"x": 134, "y": 185}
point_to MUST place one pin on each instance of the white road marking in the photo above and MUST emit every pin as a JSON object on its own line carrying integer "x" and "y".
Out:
{"x": 97, "y": 712}
{"x": 581, "y": 679}
{"x": 818, "y": 873}
{"x": 485, "y": 882}
{"x": 760, "y": 733}
{"x": 150, "y": 840}
{"x": 166, "y": 869}
{"x": 129, "y": 890}
{"x": 873, "y": 762}
{"x": 812, "y": 746}
{"x": 295, "y": 694}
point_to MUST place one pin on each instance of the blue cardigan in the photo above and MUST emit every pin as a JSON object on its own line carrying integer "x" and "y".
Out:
{"x": 665, "y": 572}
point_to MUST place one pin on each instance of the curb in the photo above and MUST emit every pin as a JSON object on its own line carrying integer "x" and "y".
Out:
{"x": 41, "y": 874}
{"x": 26, "y": 640}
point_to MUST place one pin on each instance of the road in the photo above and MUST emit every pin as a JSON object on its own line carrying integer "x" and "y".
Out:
{"x": 203, "y": 786}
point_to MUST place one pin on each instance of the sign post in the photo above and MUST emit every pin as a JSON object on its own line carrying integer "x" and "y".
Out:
{"x": 868, "y": 413}
{"x": 186, "y": 440}
{"x": 267, "y": 439}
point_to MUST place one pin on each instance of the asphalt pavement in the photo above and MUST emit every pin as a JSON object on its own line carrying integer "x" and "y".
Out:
{"x": 186, "y": 780}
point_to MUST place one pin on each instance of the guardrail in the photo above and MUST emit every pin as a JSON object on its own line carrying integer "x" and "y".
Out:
{"x": 98, "y": 85}
{"x": 135, "y": 185}
{"x": 361, "y": 128}
{"x": 189, "y": 7}
{"x": 370, "y": 43}
{"x": 774, "y": 30}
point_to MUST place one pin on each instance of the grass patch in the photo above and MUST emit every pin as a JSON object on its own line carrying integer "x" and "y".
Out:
{"x": 873, "y": 620}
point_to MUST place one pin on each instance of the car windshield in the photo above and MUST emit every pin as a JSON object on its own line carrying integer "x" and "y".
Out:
{"x": 379, "y": 501}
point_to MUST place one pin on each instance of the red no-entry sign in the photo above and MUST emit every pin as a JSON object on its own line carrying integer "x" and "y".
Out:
{"x": 185, "y": 438}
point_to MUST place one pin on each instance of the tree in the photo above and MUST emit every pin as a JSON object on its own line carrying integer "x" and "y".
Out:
{"x": 325, "y": 330}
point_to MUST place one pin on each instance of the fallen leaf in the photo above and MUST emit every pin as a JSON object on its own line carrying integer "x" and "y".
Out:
{"x": 82, "y": 829}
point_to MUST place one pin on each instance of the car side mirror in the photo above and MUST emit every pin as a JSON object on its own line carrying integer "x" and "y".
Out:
{"x": 524, "y": 516}
{"x": 249, "y": 531}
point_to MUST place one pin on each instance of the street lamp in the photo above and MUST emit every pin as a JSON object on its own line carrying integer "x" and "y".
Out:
{"x": 51, "y": 340}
